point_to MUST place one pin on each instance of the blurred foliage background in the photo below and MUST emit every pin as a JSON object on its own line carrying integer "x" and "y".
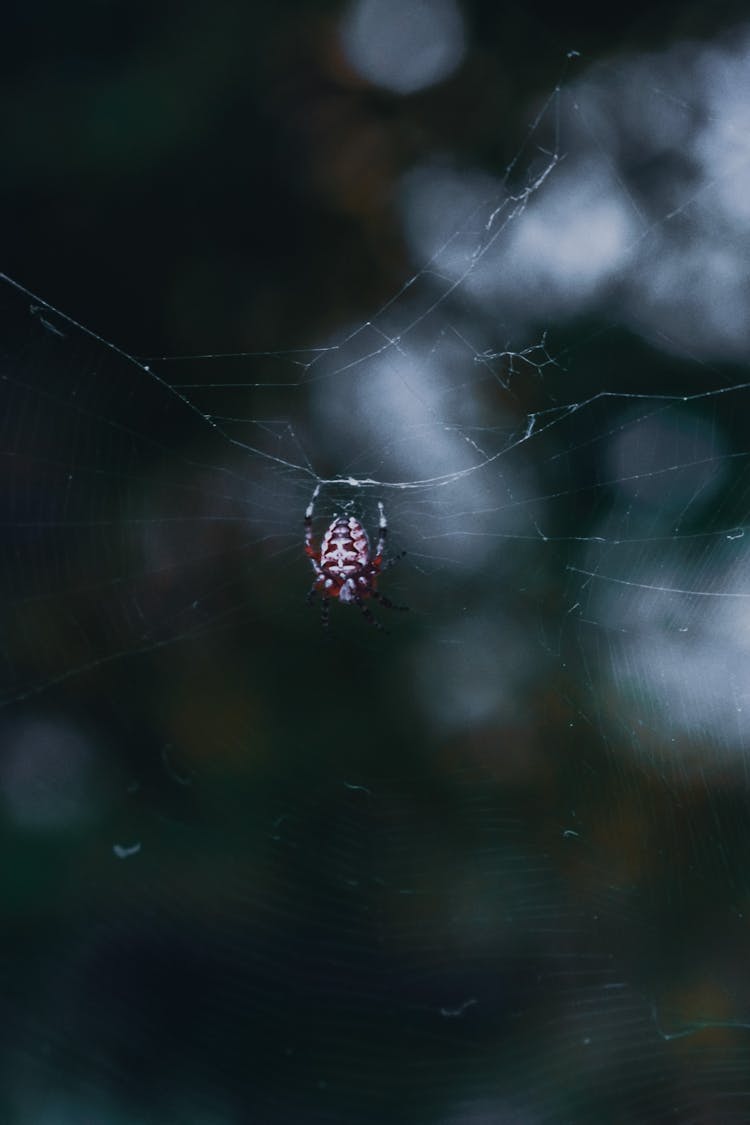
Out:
{"x": 248, "y": 876}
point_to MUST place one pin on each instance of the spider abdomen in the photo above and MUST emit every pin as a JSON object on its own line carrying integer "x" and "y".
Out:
{"x": 345, "y": 548}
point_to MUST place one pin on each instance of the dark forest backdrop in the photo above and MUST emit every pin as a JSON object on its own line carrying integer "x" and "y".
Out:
{"x": 252, "y": 872}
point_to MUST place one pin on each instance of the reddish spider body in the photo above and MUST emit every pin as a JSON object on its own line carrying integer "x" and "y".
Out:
{"x": 344, "y": 566}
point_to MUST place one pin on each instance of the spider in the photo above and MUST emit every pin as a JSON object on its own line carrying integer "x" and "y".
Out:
{"x": 344, "y": 566}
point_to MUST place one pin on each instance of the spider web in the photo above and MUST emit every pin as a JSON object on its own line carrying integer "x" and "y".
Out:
{"x": 459, "y": 861}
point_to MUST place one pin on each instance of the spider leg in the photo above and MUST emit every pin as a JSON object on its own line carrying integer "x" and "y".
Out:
{"x": 312, "y": 593}
{"x": 381, "y": 598}
{"x": 311, "y": 505}
{"x": 367, "y": 614}
{"x": 325, "y": 609}
{"x": 392, "y": 562}
{"x": 382, "y": 531}
{"x": 309, "y": 549}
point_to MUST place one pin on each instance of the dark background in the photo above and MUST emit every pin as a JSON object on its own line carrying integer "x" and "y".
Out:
{"x": 331, "y": 912}
{"x": 191, "y": 178}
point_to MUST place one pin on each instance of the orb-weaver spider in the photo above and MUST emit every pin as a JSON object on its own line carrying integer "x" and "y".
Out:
{"x": 344, "y": 566}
